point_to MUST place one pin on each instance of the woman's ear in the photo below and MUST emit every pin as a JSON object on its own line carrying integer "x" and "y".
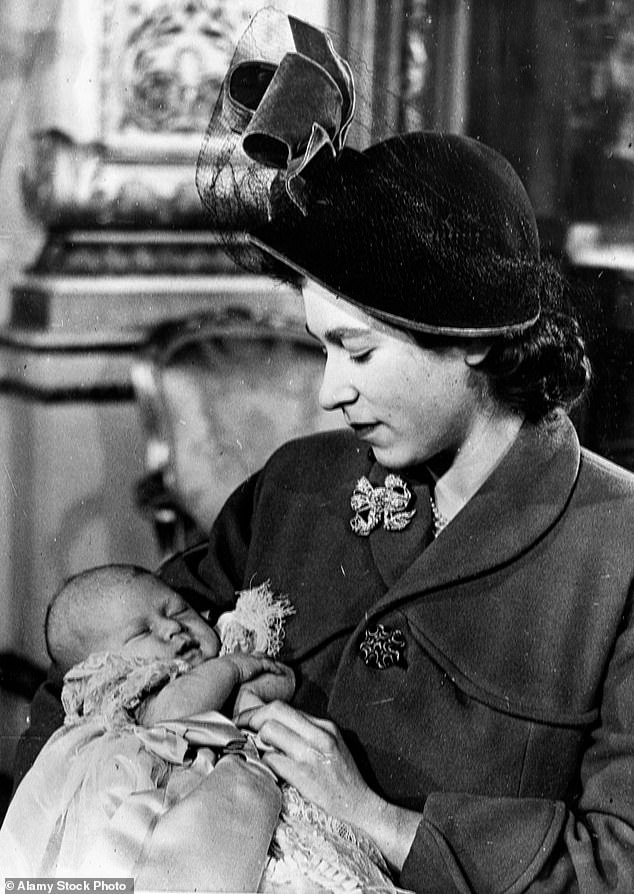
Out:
{"x": 476, "y": 349}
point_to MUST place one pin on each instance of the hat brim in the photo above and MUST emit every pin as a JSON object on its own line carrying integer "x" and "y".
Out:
{"x": 394, "y": 319}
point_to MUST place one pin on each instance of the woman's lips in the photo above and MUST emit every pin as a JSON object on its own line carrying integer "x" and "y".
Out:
{"x": 363, "y": 429}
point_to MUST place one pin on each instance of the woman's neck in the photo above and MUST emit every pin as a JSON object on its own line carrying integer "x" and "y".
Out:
{"x": 486, "y": 444}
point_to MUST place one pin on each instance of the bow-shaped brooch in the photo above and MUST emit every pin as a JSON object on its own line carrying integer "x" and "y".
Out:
{"x": 387, "y": 504}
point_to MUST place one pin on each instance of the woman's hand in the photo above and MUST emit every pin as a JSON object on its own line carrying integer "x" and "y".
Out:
{"x": 310, "y": 754}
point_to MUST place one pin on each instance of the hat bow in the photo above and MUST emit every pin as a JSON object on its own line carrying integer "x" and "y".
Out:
{"x": 288, "y": 113}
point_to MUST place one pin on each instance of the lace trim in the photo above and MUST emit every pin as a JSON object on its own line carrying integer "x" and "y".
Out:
{"x": 110, "y": 687}
{"x": 309, "y": 844}
{"x": 256, "y": 624}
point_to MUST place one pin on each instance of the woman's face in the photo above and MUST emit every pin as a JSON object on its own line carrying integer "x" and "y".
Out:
{"x": 150, "y": 620}
{"x": 407, "y": 402}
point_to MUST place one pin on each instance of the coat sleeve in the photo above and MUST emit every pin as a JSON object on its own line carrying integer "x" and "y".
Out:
{"x": 468, "y": 843}
{"x": 209, "y": 574}
{"x": 45, "y": 716}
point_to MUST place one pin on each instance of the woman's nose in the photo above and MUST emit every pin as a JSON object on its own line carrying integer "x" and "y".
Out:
{"x": 336, "y": 388}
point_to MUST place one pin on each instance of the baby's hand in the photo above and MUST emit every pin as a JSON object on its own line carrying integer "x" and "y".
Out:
{"x": 209, "y": 686}
{"x": 265, "y": 688}
{"x": 248, "y": 667}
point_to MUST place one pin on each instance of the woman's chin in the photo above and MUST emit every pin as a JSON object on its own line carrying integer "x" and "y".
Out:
{"x": 395, "y": 458}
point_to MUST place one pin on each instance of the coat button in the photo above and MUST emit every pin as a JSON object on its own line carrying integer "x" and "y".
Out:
{"x": 382, "y": 648}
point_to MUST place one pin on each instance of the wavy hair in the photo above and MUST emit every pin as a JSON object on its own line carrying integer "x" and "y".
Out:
{"x": 546, "y": 367}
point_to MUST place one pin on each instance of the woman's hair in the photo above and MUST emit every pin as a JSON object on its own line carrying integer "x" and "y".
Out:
{"x": 541, "y": 369}
{"x": 545, "y": 367}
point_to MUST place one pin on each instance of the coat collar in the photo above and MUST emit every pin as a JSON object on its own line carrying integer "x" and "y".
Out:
{"x": 520, "y": 501}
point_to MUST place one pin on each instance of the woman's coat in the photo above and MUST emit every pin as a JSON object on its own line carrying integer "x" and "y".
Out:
{"x": 509, "y": 720}
{"x": 508, "y": 723}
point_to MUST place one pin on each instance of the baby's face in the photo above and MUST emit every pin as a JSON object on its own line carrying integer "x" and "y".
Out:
{"x": 150, "y": 620}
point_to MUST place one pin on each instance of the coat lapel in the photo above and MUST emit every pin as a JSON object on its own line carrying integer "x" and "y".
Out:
{"x": 520, "y": 501}
{"x": 394, "y": 552}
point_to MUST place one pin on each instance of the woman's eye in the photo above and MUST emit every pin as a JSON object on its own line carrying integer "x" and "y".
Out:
{"x": 360, "y": 356}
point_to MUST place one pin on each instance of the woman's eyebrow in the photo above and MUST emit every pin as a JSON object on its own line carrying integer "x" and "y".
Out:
{"x": 342, "y": 332}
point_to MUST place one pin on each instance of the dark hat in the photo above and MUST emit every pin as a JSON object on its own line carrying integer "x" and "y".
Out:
{"x": 428, "y": 231}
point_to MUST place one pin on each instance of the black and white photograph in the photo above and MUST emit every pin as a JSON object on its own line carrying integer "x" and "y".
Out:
{"x": 317, "y": 446}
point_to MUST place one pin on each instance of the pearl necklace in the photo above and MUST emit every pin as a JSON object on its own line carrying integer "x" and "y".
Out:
{"x": 439, "y": 520}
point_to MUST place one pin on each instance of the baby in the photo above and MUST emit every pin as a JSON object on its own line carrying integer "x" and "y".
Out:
{"x": 147, "y": 779}
{"x": 127, "y": 611}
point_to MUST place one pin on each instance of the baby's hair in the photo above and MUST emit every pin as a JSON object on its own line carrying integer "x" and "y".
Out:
{"x": 74, "y": 605}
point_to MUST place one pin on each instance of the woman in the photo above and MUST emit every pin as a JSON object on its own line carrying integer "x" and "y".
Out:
{"x": 461, "y": 570}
